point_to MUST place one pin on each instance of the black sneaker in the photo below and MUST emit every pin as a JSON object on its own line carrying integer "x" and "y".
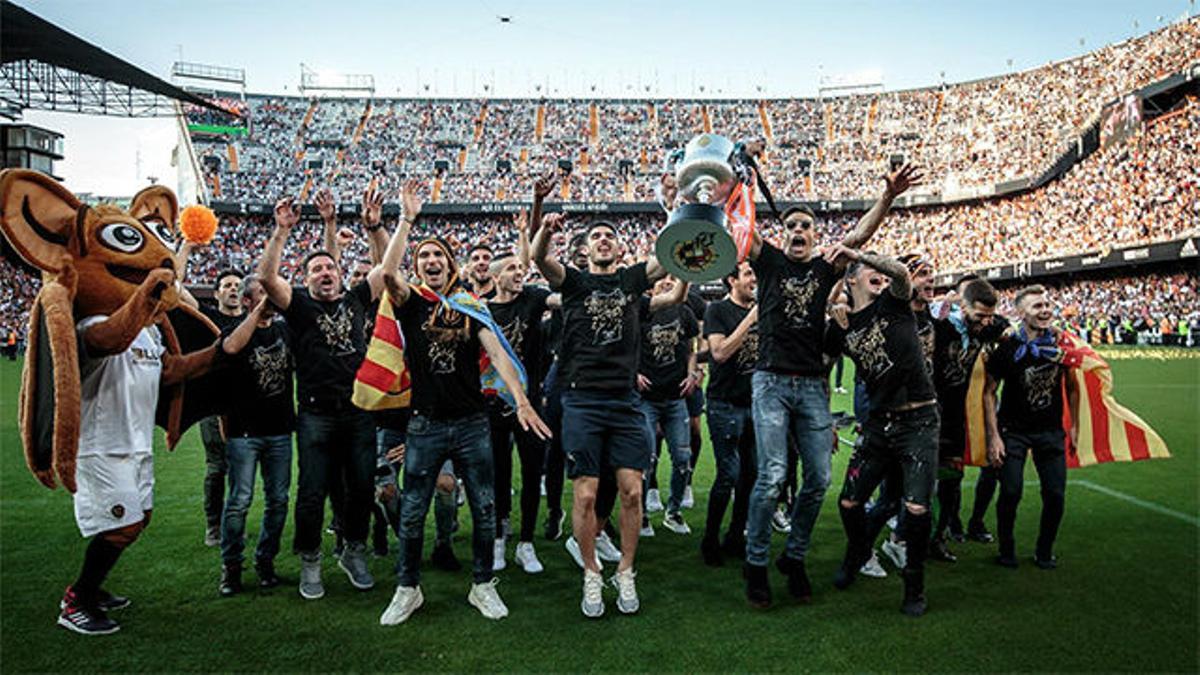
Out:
{"x": 444, "y": 559}
{"x": 554, "y": 525}
{"x": 265, "y": 569}
{"x": 734, "y": 546}
{"x": 339, "y": 546}
{"x": 978, "y": 532}
{"x": 1047, "y": 563}
{"x": 1007, "y": 560}
{"x": 914, "y": 593}
{"x": 710, "y": 551}
{"x": 231, "y": 580}
{"x": 106, "y": 601}
{"x": 848, "y": 571}
{"x": 956, "y": 531}
{"x": 77, "y": 617}
{"x": 938, "y": 550}
{"x": 799, "y": 586}
{"x": 758, "y": 588}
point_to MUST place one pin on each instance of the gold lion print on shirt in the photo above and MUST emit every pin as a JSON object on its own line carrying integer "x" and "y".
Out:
{"x": 866, "y": 347}
{"x": 798, "y": 294}
{"x": 1041, "y": 385}
{"x": 514, "y": 332}
{"x": 336, "y": 328}
{"x": 747, "y": 356}
{"x": 606, "y": 309}
{"x": 270, "y": 366}
{"x": 664, "y": 339}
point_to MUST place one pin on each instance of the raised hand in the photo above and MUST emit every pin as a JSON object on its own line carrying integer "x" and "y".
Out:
{"x": 287, "y": 213}
{"x": 325, "y": 205}
{"x": 345, "y": 237}
{"x": 521, "y": 221}
{"x": 553, "y": 221}
{"x": 372, "y": 207}
{"x": 902, "y": 179}
{"x": 410, "y": 200}
{"x": 544, "y": 185}
{"x": 836, "y": 251}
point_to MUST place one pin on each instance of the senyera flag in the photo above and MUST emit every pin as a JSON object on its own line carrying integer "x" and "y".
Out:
{"x": 1108, "y": 431}
{"x": 383, "y": 382}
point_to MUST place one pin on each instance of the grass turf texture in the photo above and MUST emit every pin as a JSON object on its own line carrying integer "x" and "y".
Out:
{"x": 1124, "y": 597}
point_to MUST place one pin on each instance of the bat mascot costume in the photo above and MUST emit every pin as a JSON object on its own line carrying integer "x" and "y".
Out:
{"x": 109, "y": 350}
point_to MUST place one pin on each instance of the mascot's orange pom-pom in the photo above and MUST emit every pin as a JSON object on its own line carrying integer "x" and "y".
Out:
{"x": 198, "y": 224}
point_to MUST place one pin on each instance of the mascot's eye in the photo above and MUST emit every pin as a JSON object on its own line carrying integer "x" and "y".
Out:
{"x": 160, "y": 230}
{"x": 122, "y": 237}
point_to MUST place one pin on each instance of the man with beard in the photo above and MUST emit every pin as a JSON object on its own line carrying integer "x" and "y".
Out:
{"x": 445, "y": 335}
{"x": 1030, "y": 420}
{"x": 900, "y": 435}
{"x": 967, "y": 333}
{"x": 731, "y": 327}
{"x": 606, "y": 430}
{"x": 790, "y": 388}
{"x": 227, "y": 314}
{"x": 518, "y": 309}
{"x": 259, "y": 427}
{"x": 479, "y": 275}
{"x": 335, "y": 440}
{"x": 665, "y": 379}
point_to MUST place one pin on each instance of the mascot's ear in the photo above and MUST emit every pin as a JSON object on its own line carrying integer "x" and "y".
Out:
{"x": 156, "y": 200}
{"x": 38, "y": 217}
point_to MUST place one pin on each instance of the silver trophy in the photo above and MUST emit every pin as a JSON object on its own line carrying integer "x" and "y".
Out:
{"x": 696, "y": 246}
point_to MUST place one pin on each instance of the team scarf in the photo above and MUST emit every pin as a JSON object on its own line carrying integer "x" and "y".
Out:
{"x": 383, "y": 381}
{"x": 1107, "y": 431}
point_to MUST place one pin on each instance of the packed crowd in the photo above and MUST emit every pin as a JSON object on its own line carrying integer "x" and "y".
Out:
{"x": 968, "y": 134}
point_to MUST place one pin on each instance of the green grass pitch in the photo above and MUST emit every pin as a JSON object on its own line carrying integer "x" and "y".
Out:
{"x": 1123, "y": 599}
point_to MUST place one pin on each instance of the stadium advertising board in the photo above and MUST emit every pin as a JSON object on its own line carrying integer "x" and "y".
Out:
{"x": 1132, "y": 255}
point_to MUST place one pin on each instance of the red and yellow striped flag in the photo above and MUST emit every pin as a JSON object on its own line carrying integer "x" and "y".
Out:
{"x": 1108, "y": 431}
{"x": 382, "y": 381}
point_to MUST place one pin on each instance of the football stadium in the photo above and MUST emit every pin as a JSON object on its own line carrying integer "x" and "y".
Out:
{"x": 378, "y": 370}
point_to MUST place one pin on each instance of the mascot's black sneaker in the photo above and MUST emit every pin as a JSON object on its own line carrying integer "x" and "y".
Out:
{"x": 84, "y": 620}
{"x": 104, "y": 600}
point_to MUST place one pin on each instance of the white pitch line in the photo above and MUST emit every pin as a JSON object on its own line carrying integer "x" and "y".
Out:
{"x": 1151, "y": 506}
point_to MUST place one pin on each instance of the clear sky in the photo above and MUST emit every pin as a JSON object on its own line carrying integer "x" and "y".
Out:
{"x": 620, "y": 47}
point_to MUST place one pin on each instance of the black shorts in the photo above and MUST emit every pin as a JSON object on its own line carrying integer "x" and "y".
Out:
{"x": 907, "y": 440}
{"x": 603, "y": 431}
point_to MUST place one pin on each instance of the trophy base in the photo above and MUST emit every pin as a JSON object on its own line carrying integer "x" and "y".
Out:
{"x": 695, "y": 246}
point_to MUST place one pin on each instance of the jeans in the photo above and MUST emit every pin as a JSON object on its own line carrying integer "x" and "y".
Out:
{"x": 801, "y": 405}
{"x": 334, "y": 447}
{"x": 505, "y": 430}
{"x": 274, "y": 455}
{"x": 466, "y": 442}
{"x": 672, "y": 415}
{"x": 215, "y": 468}
{"x": 731, "y": 430}
{"x": 1049, "y": 457}
{"x": 445, "y": 508}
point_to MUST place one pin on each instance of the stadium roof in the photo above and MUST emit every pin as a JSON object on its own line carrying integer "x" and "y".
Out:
{"x": 44, "y": 67}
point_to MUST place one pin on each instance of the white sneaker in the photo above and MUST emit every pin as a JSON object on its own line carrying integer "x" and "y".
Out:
{"x": 675, "y": 523}
{"x": 653, "y": 501}
{"x": 840, "y": 390}
{"x": 485, "y": 598}
{"x": 527, "y": 558}
{"x": 572, "y": 547}
{"x": 897, "y": 551}
{"x": 781, "y": 522}
{"x": 872, "y": 568}
{"x": 498, "y": 552}
{"x": 647, "y": 530}
{"x": 606, "y": 550}
{"x": 689, "y": 499}
{"x": 593, "y": 594}
{"x": 627, "y": 597}
{"x": 405, "y": 601}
